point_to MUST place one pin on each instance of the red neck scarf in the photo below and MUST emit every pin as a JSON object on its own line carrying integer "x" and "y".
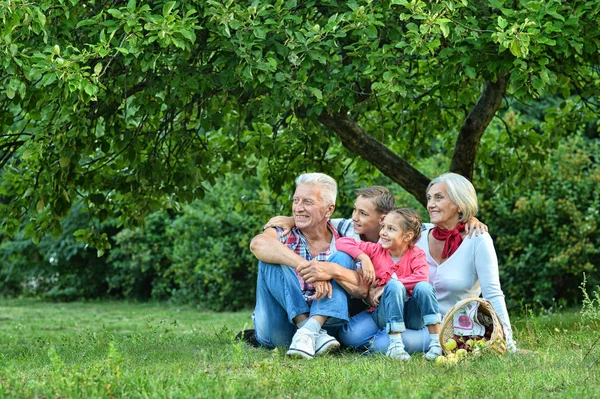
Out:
{"x": 452, "y": 238}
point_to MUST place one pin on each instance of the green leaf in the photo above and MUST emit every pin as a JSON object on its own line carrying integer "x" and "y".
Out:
{"x": 502, "y": 23}
{"x": 515, "y": 49}
{"x": 445, "y": 30}
{"x": 40, "y": 205}
{"x": 115, "y": 13}
{"x": 98, "y": 68}
{"x": 64, "y": 161}
{"x": 168, "y": 7}
{"x": 316, "y": 92}
{"x": 495, "y": 4}
{"x": 86, "y": 22}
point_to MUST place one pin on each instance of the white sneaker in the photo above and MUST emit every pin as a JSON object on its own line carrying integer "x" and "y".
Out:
{"x": 325, "y": 343}
{"x": 396, "y": 351}
{"x": 303, "y": 344}
{"x": 434, "y": 352}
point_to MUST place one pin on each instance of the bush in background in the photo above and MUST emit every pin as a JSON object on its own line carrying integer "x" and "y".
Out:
{"x": 199, "y": 256}
{"x": 58, "y": 268}
{"x": 547, "y": 236}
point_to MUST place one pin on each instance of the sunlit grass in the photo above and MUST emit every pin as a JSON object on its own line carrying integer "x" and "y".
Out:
{"x": 117, "y": 349}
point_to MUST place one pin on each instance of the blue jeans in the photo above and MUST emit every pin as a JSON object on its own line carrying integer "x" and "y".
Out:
{"x": 369, "y": 331}
{"x": 279, "y": 300}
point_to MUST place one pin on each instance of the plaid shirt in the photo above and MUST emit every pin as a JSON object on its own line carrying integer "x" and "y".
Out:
{"x": 296, "y": 241}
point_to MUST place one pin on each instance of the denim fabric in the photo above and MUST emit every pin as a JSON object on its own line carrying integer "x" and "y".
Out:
{"x": 362, "y": 333}
{"x": 279, "y": 300}
{"x": 365, "y": 333}
{"x": 389, "y": 315}
{"x": 343, "y": 259}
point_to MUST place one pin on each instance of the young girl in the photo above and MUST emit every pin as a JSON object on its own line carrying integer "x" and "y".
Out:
{"x": 400, "y": 271}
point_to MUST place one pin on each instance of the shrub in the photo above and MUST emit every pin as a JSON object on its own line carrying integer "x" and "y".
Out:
{"x": 139, "y": 259}
{"x": 547, "y": 236}
{"x": 60, "y": 267}
{"x": 199, "y": 256}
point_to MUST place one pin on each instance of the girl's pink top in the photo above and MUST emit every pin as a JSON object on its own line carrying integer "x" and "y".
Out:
{"x": 411, "y": 269}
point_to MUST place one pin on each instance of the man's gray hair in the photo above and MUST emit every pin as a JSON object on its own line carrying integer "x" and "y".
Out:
{"x": 461, "y": 192}
{"x": 328, "y": 185}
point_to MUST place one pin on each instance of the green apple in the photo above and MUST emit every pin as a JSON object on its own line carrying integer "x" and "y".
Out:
{"x": 450, "y": 344}
{"x": 441, "y": 360}
{"x": 461, "y": 353}
{"x": 452, "y": 360}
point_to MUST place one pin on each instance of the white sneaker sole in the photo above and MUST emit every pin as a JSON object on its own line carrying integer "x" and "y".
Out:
{"x": 293, "y": 352}
{"x": 327, "y": 347}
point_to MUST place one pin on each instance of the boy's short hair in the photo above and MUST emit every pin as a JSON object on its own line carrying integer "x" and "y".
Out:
{"x": 382, "y": 197}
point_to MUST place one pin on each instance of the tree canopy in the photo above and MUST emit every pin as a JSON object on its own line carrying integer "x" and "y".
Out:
{"x": 134, "y": 105}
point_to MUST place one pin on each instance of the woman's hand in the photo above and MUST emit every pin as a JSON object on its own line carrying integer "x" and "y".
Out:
{"x": 473, "y": 225}
{"x": 284, "y": 222}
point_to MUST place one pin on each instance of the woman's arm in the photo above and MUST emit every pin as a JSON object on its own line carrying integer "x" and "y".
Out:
{"x": 486, "y": 266}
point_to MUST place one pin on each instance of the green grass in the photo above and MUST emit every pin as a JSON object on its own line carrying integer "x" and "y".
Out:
{"x": 130, "y": 350}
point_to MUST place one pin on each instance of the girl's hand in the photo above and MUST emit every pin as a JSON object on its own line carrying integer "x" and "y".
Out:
{"x": 368, "y": 270}
{"x": 374, "y": 295}
{"x": 322, "y": 288}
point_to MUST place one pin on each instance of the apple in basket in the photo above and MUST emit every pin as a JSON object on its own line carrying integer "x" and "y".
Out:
{"x": 451, "y": 344}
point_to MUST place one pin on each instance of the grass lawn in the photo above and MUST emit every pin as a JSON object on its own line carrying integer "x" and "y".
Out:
{"x": 131, "y": 350}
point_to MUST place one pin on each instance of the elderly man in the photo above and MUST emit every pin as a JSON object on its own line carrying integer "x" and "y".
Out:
{"x": 289, "y": 310}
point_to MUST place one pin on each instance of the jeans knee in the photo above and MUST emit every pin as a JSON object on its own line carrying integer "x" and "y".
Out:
{"x": 342, "y": 259}
{"x": 395, "y": 287}
{"x": 424, "y": 288}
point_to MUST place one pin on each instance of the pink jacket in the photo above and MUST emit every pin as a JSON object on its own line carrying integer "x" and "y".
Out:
{"x": 411, "y": 269}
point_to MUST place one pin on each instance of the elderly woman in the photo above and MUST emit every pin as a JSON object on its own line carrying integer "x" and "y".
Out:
{"x": 459, "y": 267}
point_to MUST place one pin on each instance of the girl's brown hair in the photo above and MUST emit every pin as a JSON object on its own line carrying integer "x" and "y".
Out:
{"x": 410, "y": 221}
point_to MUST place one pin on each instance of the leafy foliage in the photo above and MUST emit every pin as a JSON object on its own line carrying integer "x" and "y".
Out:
{"x": 200, "y": 255}
{"x": 132, "y": 106}
{"x": 547, "y": 235}
{"x": 60, "y": 267}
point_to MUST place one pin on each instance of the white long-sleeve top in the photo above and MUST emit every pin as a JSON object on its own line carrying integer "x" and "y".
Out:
{"x": 471, "y": 271}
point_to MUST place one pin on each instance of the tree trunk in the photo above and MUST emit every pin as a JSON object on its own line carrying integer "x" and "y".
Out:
{"x": 465, "y": 148}
{"x": 361, "y": 143}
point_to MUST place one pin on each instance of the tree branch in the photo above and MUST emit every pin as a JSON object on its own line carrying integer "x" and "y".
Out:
{"x": 465, "y": 148}
{"x": 361, "y": 143}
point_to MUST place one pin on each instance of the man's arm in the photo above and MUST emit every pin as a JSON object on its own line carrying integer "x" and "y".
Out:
{"x": 350, "y": 280}
{"x": 267, "y": 247}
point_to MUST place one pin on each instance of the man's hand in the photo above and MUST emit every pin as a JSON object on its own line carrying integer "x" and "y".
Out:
{"x": 322, "y": 288}
{"x": 375, "y": 294}
{"x": 473, "y": 225}
{"x": 285, "y": 222}
{"x": 315, "y": 271}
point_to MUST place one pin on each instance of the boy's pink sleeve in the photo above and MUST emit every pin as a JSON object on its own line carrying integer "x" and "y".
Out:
{"x": 419, "y": 268}
{"x": 349, "y": 246}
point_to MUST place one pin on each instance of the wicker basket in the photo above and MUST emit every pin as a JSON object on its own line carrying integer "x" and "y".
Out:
{"x": 485, "y": 314}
